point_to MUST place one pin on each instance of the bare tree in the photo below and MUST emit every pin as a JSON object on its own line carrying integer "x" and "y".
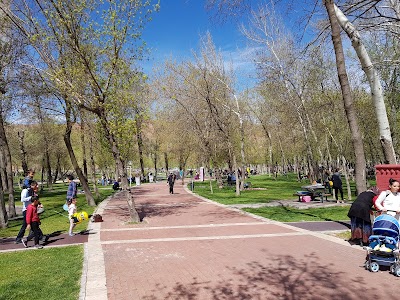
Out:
{"x": 374, "y": 83}
{"x": 347, "y": 98}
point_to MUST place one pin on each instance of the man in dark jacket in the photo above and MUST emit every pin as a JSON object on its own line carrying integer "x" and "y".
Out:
{"x": 337, "y": 185}
{"x": 171, "y": 182}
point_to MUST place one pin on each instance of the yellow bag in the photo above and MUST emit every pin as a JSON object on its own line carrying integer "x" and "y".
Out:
{"x": 330, "y": 183}
{"x": 80, "y": 216}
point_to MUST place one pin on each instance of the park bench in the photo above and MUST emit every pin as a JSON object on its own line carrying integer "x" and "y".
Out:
{"x": 314, "y": 197}
{"x": 302, "y": 193}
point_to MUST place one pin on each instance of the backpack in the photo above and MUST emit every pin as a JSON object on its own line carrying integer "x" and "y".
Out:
{"x": 97, "y": 218}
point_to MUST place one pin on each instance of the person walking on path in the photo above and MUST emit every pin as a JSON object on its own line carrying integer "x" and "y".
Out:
{"x": 337, "y": 186}
{"x": 360, "y": 216}
{"x": 72, "y": 191}
{"x": 171, "y": 182}
{"x": 389, "y": 201}
{"x": 26, "y": 195}
{"x": 327, "y": 181}
{"x": 28, "y": 179}
{"x": 33, "y": 222}
{"x": 72, "y": 220}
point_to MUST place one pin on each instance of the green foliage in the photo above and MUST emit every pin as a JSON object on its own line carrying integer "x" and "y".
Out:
{"x": 51, "y": 274}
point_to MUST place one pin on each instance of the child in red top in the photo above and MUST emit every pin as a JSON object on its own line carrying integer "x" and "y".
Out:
{"x": 33, "y": 222}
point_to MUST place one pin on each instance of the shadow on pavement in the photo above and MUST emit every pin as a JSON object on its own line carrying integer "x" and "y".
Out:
{"x": 284, "y": 277}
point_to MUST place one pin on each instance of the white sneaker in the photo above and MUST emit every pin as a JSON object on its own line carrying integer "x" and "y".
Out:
{"x": 25, "y": 243}
{"x": 71, "y": 234}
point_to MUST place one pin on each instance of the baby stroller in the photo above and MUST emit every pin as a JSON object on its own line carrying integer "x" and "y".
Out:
{"x": 383, "y": 248}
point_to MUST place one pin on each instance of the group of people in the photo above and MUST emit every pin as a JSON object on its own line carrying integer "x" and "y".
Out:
{"x": 32, "y": 208}
{"x": 387, "y": 201}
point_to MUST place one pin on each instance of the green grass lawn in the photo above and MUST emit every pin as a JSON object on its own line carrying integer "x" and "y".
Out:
{"x": 290, "y": 214}
{"x": 265, "y": 189}
{"x": 54, "y": 218}
{"x": 50, "y": 274}
{"x": 271, "y": 189}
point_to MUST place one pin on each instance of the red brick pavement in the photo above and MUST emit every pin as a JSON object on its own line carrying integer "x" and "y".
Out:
{"x": 188, "y": 248}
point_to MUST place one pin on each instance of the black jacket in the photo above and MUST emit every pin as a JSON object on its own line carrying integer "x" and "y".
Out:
{"x": 361, "y": 206}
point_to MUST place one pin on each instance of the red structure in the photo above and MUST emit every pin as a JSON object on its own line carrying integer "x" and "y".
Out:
{"x": 383, "y": 173}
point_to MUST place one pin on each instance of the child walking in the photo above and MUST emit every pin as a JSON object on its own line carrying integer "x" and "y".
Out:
{"x": 33, "y": 222}
{"x": 72, "y": 220}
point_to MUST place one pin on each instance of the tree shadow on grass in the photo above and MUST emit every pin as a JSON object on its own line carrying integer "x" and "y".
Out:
{"x": 282, "y": 277}
{"x": 302, "y": 212}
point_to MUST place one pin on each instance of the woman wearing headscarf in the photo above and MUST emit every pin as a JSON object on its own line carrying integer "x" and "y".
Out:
{"x": 360, "y": 216}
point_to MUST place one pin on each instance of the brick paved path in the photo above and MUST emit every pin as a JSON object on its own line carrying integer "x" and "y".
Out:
{"x": 189, "y": 248}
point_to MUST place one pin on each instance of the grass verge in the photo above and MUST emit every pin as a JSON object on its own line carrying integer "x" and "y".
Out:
{"x": 290, "y": 214}
{"x": 50, "y": 274}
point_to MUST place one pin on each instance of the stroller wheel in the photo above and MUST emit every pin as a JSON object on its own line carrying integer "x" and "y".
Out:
{"x": 397, "y": 271}
{"x": 366, "y": 265}
{"x": 392, "y": 268}
{"x": 374, "y": 267}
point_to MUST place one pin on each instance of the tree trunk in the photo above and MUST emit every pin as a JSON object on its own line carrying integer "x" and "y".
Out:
{"x": 46, "y": 159}
{"x": 3, "y": 172}
{"x": 139, "y": 137}
{"x": 155, "y": 166}
{"x": 8, "y": 168}
{"x": 166, "y": 163}
{"x": 58, "y": 168}
{"x": 79, "y": 173}
{"x": 347, "y": 99}
{"x": 346, "y": 177}
{"x": 21, "y": 136}
{"x": 3, "y": 211}
{"x": 236, "y": 174}
{"x": 131, "y": 206}
{"x": 84, "y": 161}
{"x": 374, "y": 83}
{"x": 48, "y": 167}
{"x": 93, "y": 167}
{"x": 114, "y": 148}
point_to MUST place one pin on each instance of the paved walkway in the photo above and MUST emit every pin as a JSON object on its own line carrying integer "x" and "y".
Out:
{"x": 191, "y": 248}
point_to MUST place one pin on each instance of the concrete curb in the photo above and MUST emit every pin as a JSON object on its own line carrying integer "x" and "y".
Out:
{"x": 93, "y": 280}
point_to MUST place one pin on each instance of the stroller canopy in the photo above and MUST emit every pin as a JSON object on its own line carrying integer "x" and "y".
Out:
{"x": 386, "y": 225}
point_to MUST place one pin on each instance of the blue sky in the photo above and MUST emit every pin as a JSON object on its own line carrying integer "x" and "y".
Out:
{"x": 176, "y": 29}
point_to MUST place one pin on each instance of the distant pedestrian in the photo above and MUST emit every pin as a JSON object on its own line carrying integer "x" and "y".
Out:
{"x": 171, "y": 182}
{"x": 72, "y": 209}
{"x": 360, "y": 216}
{"x": 337, "y": 186}
{"x": 328, "y": 182}
{"x": 72, "y": 188}
{"x": 33, "y": 223}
